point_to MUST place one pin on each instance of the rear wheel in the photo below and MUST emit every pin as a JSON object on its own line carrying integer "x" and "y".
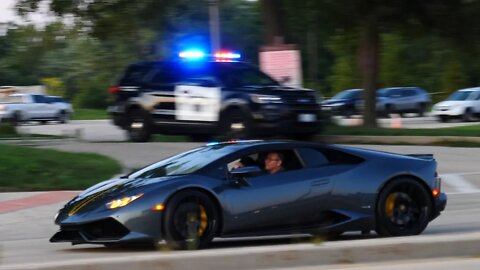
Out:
{"x": 139, "y": 127}
{"x": 403, "y": 208}
{"x": 191, "y": 220}
{"x": 422, "y": 107}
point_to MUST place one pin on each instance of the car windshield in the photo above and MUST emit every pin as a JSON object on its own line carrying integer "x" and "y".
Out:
{"x": 240, "y": 75}
{"x": 383, "y": 92}
{"x": 461, "y": 95}
{"x": 184, "y": 163}
{"x": 349, "y": 94}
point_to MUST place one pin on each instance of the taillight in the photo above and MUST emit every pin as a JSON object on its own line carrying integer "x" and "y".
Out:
{"x": 438, "y": 185}
{"x": 114, "y": 89}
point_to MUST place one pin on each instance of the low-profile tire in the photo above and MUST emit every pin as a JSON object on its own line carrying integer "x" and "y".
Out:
{"x": 191, "y": 220}
{"x": 139, "y": 126}
{"x": 403, "y": 208}
{"x": 235, "y": 125}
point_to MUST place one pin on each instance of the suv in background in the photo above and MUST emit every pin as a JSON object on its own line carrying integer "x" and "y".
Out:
{"x": 463, "y": 104}
{"x": 206, "y": 98}
{"x": 402, "y": 100}
{"x": 345, "y": 103}
{"x": 18, "y": 108}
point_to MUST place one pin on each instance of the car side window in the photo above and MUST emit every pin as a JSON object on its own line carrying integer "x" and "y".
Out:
{"x": 312, "y": 158}
{"x": 162, "y": 77}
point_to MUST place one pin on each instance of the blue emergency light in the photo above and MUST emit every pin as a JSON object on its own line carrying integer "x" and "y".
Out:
{"x": 192, "y": 54}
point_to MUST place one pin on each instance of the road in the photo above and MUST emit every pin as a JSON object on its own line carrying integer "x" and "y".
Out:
{"x": 28, "y": 228}
{"x": 104, "y": 131}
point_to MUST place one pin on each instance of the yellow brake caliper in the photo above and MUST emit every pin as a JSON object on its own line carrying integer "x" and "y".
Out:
{"x": 390, "y": 205}
{"x": 203, "y": 221}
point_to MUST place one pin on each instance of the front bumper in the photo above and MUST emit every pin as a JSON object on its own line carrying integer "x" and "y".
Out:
{"x": 276, "y": 120}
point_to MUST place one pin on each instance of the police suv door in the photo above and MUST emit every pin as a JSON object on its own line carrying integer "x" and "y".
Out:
{"x": 197, "y": 99}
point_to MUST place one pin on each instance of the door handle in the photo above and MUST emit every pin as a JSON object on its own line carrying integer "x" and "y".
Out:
{"x": 320, "y": 182}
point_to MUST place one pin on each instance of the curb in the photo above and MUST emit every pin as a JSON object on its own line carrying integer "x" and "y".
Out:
{"x": 294, "y": 255}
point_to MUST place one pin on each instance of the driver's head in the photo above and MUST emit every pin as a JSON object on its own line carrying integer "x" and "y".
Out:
{"x": 274, "y": 162}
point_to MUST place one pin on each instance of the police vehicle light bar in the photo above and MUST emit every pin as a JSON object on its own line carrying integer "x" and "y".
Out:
{"x": 218, "y": 56}
{"x": 227, "y": 55}
{"x": 194, "y": 54}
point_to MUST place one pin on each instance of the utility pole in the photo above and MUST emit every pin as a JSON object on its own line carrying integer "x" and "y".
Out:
{"x": 214, "y": 25}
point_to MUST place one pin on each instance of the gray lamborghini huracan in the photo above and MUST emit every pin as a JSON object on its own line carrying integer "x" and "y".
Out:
{"x": 190, "y": 198}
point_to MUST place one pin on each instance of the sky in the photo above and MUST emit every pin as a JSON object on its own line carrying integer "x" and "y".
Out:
{"x": 7, "y": 13}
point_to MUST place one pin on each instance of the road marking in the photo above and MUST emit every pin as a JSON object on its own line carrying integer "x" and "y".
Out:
{"x": 460, "y": 184}
{"x": 36, "y": 200}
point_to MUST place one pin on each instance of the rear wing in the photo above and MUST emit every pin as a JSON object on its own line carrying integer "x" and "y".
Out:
{"x": 422, "y": 156}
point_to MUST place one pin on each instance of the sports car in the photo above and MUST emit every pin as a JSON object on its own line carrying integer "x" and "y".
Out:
{"x": 192, "y": 197}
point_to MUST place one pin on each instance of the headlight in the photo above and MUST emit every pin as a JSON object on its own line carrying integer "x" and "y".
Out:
{"x": 123, "y": 201}
{"x": 265, "y": 99}
{"x": 3, "y": 107}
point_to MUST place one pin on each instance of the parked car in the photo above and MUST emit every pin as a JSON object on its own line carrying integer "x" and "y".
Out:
{"x": 18, "y": 108}
{"x": 402, "y": 100}
{"x": 463, "y": 104}
{"x": 207, "y": 97}
{"x": 345, "y": 103}
{"x": 190, "y": 198}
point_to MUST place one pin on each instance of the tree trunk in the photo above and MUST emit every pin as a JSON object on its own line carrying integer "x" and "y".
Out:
{"x": 368, "y": 62}
{"x": 271, "y": 18}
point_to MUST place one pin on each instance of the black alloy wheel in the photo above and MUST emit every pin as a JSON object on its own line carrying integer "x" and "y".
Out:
{"x": 191, "y": 220}
{"x": 403, "y": 208}
{"x": 139, "y": 127}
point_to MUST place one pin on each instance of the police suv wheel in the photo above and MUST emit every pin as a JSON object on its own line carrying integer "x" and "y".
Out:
{"x": 236, "y": 125}
{"x": 139, "y": 129}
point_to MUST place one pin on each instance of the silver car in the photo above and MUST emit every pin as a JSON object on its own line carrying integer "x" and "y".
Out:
{"x": 402, "y": 100}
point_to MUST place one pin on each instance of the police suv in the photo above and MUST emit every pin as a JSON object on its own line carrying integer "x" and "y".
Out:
{"x": 203, "y": 97}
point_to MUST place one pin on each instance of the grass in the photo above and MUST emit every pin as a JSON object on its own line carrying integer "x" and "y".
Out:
{"x": 90, "y": 114}
{"x": 7, "y": 131}
{"x": 24, "y": 168}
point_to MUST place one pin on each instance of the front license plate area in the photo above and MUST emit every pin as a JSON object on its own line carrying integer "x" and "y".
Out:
{"x": 307, "y": 117}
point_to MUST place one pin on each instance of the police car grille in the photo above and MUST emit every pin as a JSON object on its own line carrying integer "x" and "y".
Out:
{"x": 298, "y": 100}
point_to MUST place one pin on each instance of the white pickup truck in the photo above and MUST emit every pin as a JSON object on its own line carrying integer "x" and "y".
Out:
{"x": 18, "y": 108}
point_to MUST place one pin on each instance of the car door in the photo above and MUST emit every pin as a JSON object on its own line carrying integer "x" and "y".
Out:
{"x": 157, "y": 92}
{"x": 275, "y": 201}
{"x": 198, "y": 99}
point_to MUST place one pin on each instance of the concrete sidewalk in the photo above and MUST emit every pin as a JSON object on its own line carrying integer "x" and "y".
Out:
{"x": 285, "y": 256}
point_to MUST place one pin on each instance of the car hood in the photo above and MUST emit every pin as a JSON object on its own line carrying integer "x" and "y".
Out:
{"x": 334, "y": 101}
{"x": 94, "y": 199}
{"x": 452, "y": 102}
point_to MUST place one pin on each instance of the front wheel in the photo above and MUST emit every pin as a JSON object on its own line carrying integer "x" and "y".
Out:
{"x": 191, "y": 220}
{"x": 63, "y": 117}
{"x": 403, "y": 208}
